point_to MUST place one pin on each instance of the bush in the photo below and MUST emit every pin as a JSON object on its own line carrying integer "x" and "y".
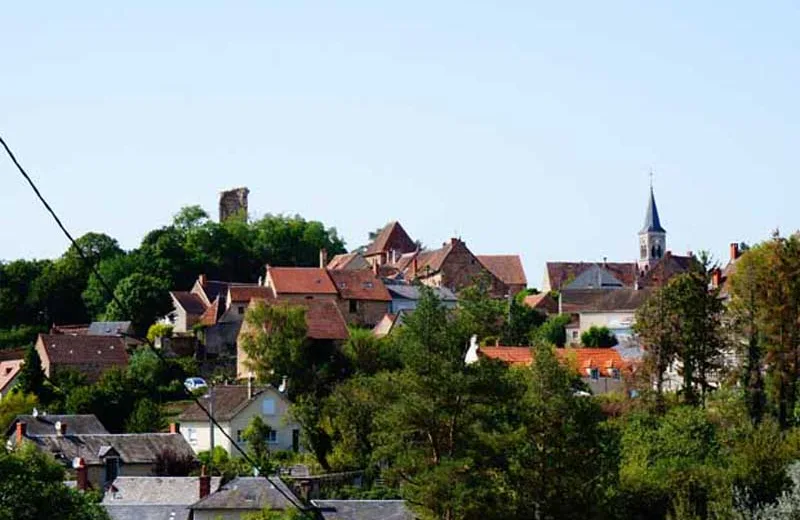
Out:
{"x": 598, "y": 337}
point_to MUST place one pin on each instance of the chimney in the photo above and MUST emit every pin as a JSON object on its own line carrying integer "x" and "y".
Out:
{"x": 81, "y": 474}
{"x": 690, "y": 254}
{"x": 174, "y": 427}
{"x": 376, "y": 269}
{"x": 202, "y": 279}
{"x": 716, "y": 278}
{"x": 734, "y": 251}
{"x": 61, "y": 428}
{"x": 323, "y": 258}
{"x": 22, "y": 430}
{"x": 205, "y": 483}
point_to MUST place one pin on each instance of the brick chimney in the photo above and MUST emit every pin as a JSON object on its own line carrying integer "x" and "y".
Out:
{"x": 205, "y": 483}
{"x": 61, "y": 428}
{"x": 174, "y": 427}
{"x": 734, "y": 251}
{"x": 323, "y": 258}
{"x": 81, "y": 474}
{"x": 22, "y": 430}
{"x": 716, "y": 278}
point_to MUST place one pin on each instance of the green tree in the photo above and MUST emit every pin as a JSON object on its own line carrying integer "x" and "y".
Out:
{"x": 146, "y": 417}
{"x": 256, "y": 435}
{"x": 478, "y": 313}
{"x": 598, "y": 337}
{"x": 33, "y": 488}
{"x": 367, "y": 353}
{"x": 14, "y": 404}
{"x": 31, "y": 377}
{"x": 144, "y": 299}
{"x": 553, "y": 331}
{"x": 96, "y": 295}
{"x": 521, "y": 321}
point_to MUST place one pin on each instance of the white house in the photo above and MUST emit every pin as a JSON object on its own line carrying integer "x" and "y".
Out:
{"x": 234, "y": 407}
{"x": 612, "y": 308}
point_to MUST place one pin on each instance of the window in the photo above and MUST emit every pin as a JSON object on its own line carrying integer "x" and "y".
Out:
{"x": 240, "y": 309}
{"x": 614, "y": 373}
{"x": 239, "y": 436}
{"x": 272, "y": 437}
{"x": 353, "y": 306}
{"x": 594, "y": 373}
{"x": 268, "y": 407}
{"x": 574, "y": 334}
{"x": 191, "y": 436}
{"x": 112, "y": 468}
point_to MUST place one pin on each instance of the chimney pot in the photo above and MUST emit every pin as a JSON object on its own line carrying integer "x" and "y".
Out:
{"x": 205, "y": 483}
{"x": 716, "y": 277}
{"x": 734, "y": 251}
{"x": 22, "y": 430}
{"x": 174, "y": 427}
{"x": 61, "y": 428}
{"x": 323, "y": 258}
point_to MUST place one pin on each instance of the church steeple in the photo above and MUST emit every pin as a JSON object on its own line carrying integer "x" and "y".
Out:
{"x": 652, "y": 237}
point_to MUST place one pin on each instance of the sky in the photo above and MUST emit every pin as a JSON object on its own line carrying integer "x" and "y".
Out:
{"x": 521, "y": 127}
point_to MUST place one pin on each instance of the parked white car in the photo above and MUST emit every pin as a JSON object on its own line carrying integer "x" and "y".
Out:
{"x": 195, "y": 383}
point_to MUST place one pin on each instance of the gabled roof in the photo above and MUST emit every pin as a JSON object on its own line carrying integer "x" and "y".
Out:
{"x": 211, "y": 314}
{"x": 652, "y": 223}
{"x": 389, "y": 322}
{"x": 133, "y": 448}
{"x": 148, "y": 512}
{"x": 229, "y": 400}
{"x": 406, "y": 291}
{"x": 95, "y": 352}
{"x": 391, "y": 237}
{"x": 507, "y": 268}
{"x": 542, "y": 302}
{"x": 300, "y": 280}
{"x": 363, "y": 509}
{"x": 595, "y": 277}
{"x": 250, "y": 493}
{"x": 561, "y": 273}
{"x": 214, "y": 288}
{"x": 430, "y": 262}
{"x": 190, "y": 302}
{"x": 46, "y": 424}
{"x": 352, "y": 260}
{"x": 156, "y": 490}
{"x": 109, "y": 328}
{"x": 667, "y": 267}
{"x": 359, "y": 285}
{"x": 603, "y": 300}
{"x": 324, "y": 320}
{"x": 8, "y": 371}
{"x": 245, "y": 293}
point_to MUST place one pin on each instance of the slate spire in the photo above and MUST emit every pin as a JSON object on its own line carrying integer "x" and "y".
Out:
{"x": 652, "y": 224}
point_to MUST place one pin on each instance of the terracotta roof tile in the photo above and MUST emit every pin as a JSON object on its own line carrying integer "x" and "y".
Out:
{"x": 190, "y": 302}
{"x": 245, "y": 293}
{"x": 352, "y": 260}
{"x": 391, "y": 237}
{"x": 542, "y": 302}
{"x": 300, "y": 280}
{"x": 508, "y": 268}
{"x": 579, "y": 359}
{"x": 89, "y": 354}
{"x": 211, "y": 314}
{"x": 560, "y": 273}
{"x": 323, "y": 318}
{"x": 360, "y": 285}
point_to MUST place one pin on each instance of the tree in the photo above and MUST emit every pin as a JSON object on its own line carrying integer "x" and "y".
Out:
{"x": 521, "y": 321}
{"x": 143, "y": 298}
{"x": 33, "y": 487}
{"x": 146, "y": 417}
{"x": 367, "y": 353}
{"x": 96, "y": 295}
{"x": 256, "y": 435}
{"x": 159, "y": 330}
{"x": 170, "y": 464}
{"x": 553, "y": 331}
{"x": 14, "y": 404}
{"x": 31, "y": 377}
{"x": 478, "y": 313}
{"x": 598, "y": 337}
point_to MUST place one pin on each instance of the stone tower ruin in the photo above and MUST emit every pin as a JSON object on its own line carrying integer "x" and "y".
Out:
{"x": 231, "y": 202}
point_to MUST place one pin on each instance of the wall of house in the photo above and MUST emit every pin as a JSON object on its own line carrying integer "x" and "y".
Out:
{"x": 278, "y": 421}
{"x": 461, "y": 269}
{"x": 610, "y": 320}
{"x": 97, "y": 473}
{"x": 222, "y": 337}
{"x": 369, "y": 313}
{"x": 202, "y": 435}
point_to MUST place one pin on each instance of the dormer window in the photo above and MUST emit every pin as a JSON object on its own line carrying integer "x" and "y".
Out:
{"x": 594, "y": 373}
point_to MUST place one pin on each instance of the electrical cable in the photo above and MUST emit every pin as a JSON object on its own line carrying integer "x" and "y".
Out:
{"x": 162, "y": 359}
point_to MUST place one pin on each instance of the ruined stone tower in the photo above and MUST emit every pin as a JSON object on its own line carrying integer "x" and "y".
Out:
{"x": 231, "y": 202}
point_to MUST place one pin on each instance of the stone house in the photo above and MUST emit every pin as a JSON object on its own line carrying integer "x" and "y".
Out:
{"x": 89, "y": 355}
{"x": 363, "y": 298}
{"x": 508, "y": 269}
{"x": 105, "y": 456}
{"x": 156, "y": 498}
{"x": 348, "y": 261}
{"x": 234, "y": 406}
{"x": 391, "y": 242}
{"x": 300, "y": 284}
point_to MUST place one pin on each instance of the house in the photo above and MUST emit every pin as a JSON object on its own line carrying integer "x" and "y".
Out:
{"x": 348, "y": 261}
{"x": 243, "y": 496}
{"x": 611, "y": 308}
{"x": 9, "y": 370}
{"x": 603, "y": 370}
{"x": 300, "y": 283}
{"x": 363, "y": 509}
{"x": 105, "y": 456}
{"x": 363, "y": 298}
{"x": 721, "y": 278}
{"x": 110, "y": 328}
{"x": 40, "y": 423}
{"x": 391, "y": 242}
{"x": 324, "y": 324}
{"x": 653, "y": 268}
{"x": 156, "y": 498}
{"x": 508, "y": 269}
{"x": 389, "y": 323}
{"x": 89, "y": 355}
{"x": 542, "y": 302}
{"x": 405, "y": 296}
{"x": 234, "y": 407}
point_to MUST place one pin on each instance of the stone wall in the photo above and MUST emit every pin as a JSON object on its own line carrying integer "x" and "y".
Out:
{"x": 231, "y": 202}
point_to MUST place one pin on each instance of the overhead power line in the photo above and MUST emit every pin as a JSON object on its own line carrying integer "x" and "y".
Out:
{"x": 110, "y": 292}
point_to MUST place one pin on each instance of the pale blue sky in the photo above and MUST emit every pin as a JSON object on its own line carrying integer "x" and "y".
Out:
{"x": 524, "y": 127}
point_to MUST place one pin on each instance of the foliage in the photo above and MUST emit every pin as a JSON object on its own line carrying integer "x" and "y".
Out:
{"x": 31, "y": 376}
{"x": 146, "y": 417}
{"x": 291, "y": 514}
{"x": 367, "y": 354}
{"x": 478, "y": 313}
{"x": 222, "y": 464}
{"x": 159, "y": 330}
{"x": 256, "y": 435}
{"x": 142, "y": 299}
{"x": 521, "y": 321}
{"x": 32, "y": 488}
{"x": 598, "y": 337}
{"x": 553, "y": 331}
{"x": 19, "y": 336}
{"x": 14, "y": 404}
{"x": 170, "y": 464}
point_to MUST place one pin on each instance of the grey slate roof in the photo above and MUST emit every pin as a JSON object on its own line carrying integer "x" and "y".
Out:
{"x": 603, "y": 300}
{"x": 363, "y": 509}
{"x": 229, "y": 400}
{"x": 109, "y": 328}
{"x": 46, "y": 424}
{"x": 595, "y": 277}
{"x": 412, "y": 292}
{"x": 131, "y": 491}
{"x": 133, "y": 448}
{"x": 652, "y": 223}
{"x": 250, "y": 493}
{"x": 148, "y": 512}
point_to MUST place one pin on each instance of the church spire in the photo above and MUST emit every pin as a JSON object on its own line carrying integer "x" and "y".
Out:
{"x": 652, "y": 237}
{"x": 652, "y": 224}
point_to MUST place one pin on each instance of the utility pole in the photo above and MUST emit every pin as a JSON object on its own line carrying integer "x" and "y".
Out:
{"x": 211, "y": 425}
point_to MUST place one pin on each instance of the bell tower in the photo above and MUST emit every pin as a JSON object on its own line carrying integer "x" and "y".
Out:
{"x": 652, "y": 237}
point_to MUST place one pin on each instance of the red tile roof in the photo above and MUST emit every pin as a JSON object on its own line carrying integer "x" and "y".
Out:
{"x": 360, "y": 285}
{"x": 211, "y": 314}
{"x": 190, "y": 302}
{"x": 345, "y": 260}
{"x": 245, "y": 293}
{"x": 90, "y": 354}
{"x": 542, "y": 302}
{"x": 300, "y": 280}
{"x": 508, "y": 268}
{"x": 579, "y": 359}
{"x": 323, "y": 318}
{"x": 391, "y": 237}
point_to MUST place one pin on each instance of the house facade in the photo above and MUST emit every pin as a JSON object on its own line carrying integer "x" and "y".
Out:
{"x": 234, "y": 407}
